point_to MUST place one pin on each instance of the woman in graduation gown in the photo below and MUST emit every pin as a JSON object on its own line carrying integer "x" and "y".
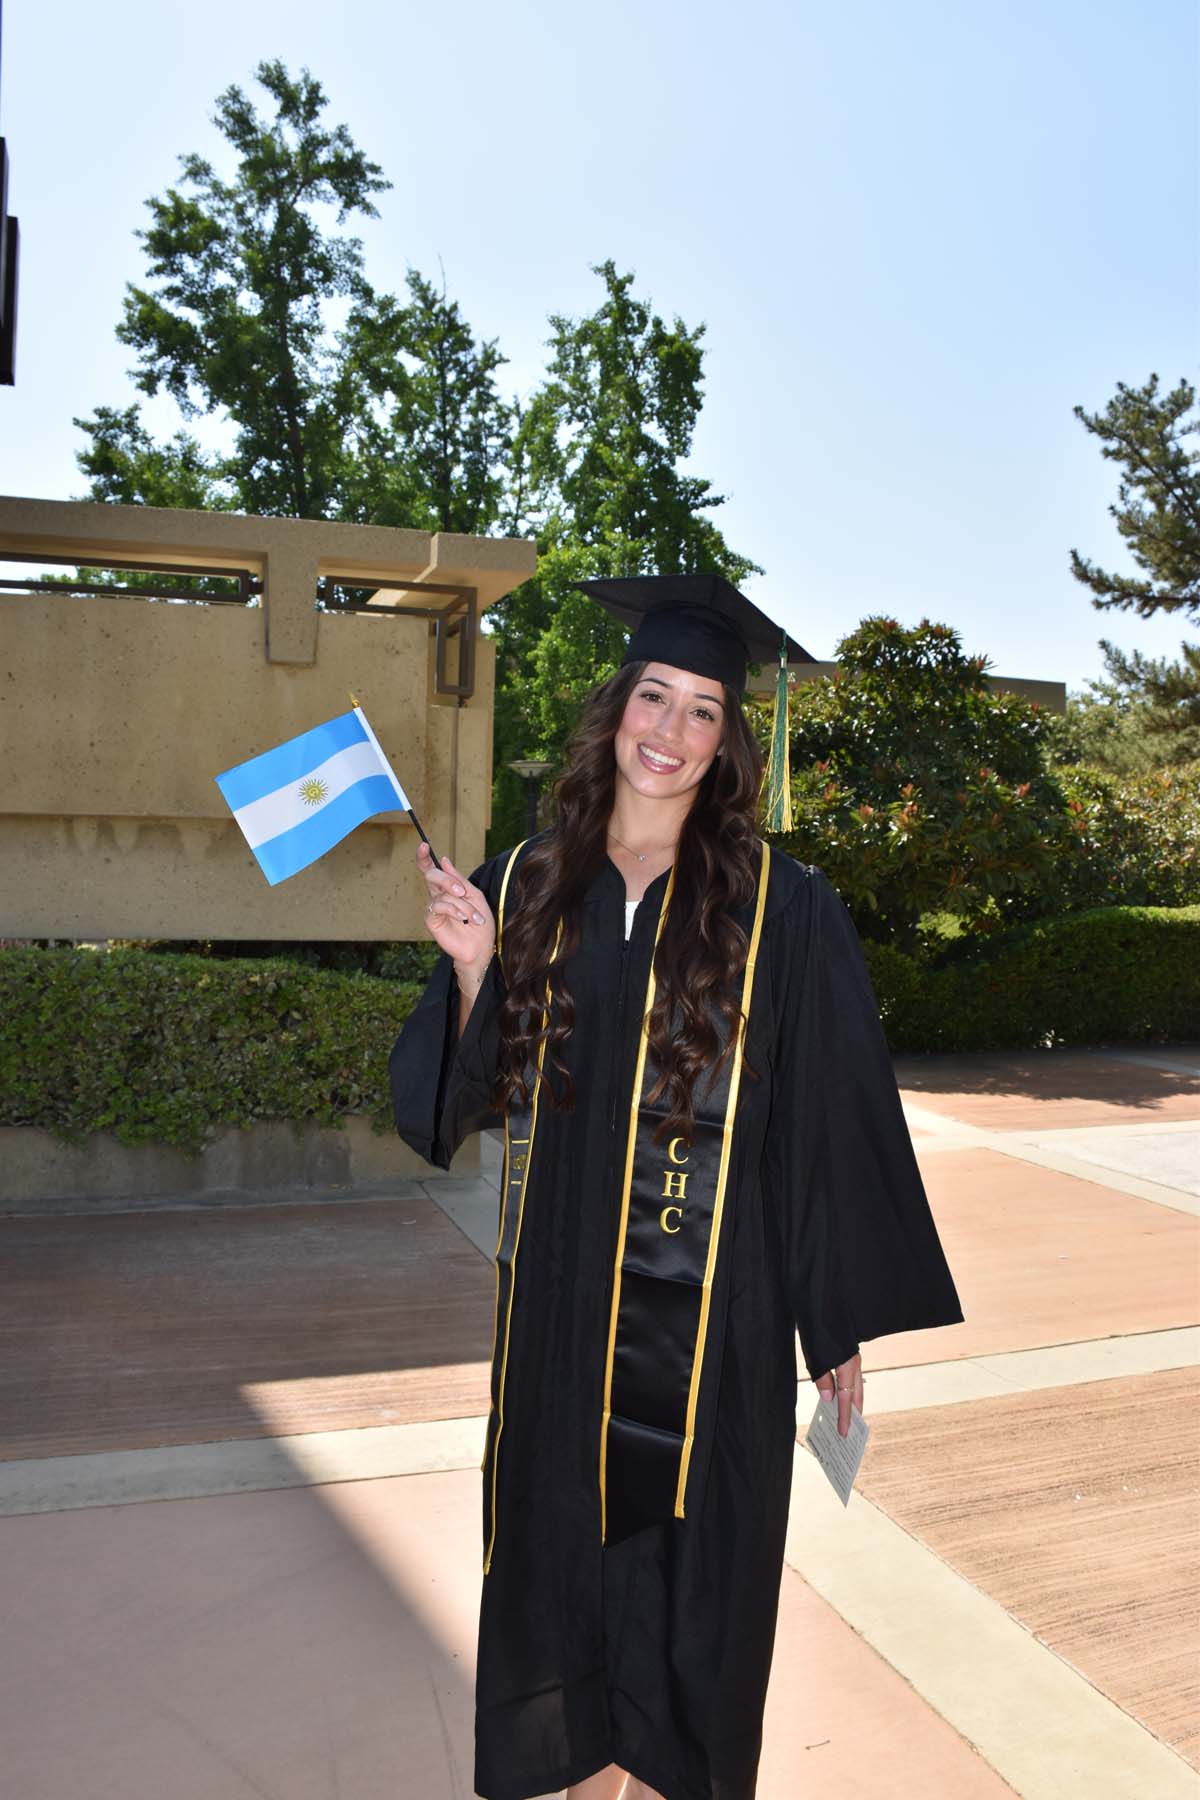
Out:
{"x": 705, "y": 1153}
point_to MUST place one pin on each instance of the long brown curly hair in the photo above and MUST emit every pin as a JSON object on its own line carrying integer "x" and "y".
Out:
{"x": 701, "y": 954}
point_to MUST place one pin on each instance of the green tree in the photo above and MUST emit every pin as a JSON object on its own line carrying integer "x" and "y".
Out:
{"x": 1145, "y": 711}
{"x": 597, "y": 475}
{"x": 1143, "y": 714}
{"x": 127, "y": 468}
{"x": 916, "y": 787}
{"x": 393, "y": 419}
{"x": 232, "y": 321}
{"x": 435, "y": 436}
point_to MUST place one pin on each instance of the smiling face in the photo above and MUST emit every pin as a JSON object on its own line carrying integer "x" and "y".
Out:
{"x": 670, "y": 731}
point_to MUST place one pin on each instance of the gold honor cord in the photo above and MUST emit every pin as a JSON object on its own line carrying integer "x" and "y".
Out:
{"x": 508, "y": 868}
{"x": 624, "y": 1224}
{"x": 719, "y": 1205}
{"x": 525, "y": 1147}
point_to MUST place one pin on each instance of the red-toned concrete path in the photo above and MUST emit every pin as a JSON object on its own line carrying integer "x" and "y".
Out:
{"x": 239, "y": 1506}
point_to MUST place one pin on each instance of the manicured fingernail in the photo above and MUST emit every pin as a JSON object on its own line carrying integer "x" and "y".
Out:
{"x": 478, "y": 918}
{"x": 460, "y": 891}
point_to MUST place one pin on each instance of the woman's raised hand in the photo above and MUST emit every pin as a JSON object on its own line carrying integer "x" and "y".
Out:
{"x": 846, "y": 1381}
{"x": 458, "y": 917}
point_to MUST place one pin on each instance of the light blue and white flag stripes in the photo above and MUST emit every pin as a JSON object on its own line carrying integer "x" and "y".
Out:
{"x": 297, "y": 801}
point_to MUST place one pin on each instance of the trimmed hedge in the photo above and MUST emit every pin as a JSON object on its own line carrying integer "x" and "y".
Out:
{"x": 163, "y": 1049}
{"x": 1123, "y": 974}
{"x": 166, "y": 1048}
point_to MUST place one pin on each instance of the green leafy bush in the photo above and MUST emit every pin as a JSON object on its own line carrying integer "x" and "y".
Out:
{"x": 1112, "y": 974}
{"x": 392, "y": 961}
{"x": 1134, "y": 838}
{"x": 167, "y": 1049}
{"x": 919, "y": 790}
{"x": 164, "y": 1049}
{"x": 915, "y": 787}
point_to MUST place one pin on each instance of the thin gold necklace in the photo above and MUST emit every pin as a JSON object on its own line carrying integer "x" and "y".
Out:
{"x": 640, "y": 854}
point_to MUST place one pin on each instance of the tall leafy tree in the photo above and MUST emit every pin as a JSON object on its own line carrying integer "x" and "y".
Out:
{"x": 607, "y": 431}
{"x": 1145, "y": 711}
{"x": 436, "y": 435}
{"x": 598, "y": 475}
{"x": 232, "y": 319}
{"x": 393, "y": 419}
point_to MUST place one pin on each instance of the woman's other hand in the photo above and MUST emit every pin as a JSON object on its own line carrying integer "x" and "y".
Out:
{"x": 846, "y": 1382}
{"x": 458, "y": 918}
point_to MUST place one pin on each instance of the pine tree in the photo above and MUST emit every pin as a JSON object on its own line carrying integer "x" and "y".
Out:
{"x": 1145, "y": 711}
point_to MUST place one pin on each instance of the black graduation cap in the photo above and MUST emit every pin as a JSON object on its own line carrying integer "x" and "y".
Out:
{"x": 701, "y": 623}
{"x": 695, "y": 622}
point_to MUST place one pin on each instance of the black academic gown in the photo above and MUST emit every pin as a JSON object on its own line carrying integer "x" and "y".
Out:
{"x": 653, "y": 1652}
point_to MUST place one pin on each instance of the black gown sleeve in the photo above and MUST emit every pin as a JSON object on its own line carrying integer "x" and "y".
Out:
{"x": 440, "y": 1082}
{"x": 861, "y": 1252}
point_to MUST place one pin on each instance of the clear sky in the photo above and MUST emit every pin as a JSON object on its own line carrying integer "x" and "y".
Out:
{"x": 918, "y": 234}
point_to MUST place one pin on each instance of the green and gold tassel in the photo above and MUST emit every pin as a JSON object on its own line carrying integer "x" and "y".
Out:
{"x": 777, "y": 817}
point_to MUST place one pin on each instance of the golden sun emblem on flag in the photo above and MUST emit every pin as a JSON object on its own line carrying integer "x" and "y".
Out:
{"x": 313, "y": 791}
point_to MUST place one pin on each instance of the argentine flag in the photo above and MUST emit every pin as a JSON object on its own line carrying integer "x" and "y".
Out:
{"x": 296, "y": 802}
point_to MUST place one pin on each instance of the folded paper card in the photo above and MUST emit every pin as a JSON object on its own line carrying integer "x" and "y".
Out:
{"x": 838, "y": 1456}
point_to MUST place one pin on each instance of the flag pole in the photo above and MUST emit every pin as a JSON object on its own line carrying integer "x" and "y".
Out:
{"x": 405, "y": 802}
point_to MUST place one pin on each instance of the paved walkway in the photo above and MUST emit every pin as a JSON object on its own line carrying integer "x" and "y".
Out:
{"x": 292, "y": 1393}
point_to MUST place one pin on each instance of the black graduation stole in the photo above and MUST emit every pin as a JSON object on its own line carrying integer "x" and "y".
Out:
{"x": 671, "y": 1205}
